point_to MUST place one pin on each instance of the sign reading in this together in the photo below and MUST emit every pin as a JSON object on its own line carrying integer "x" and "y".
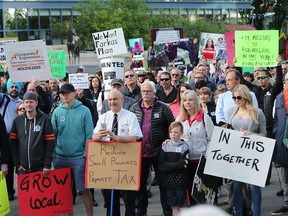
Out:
{"x": 4, "y": 202}
{"x": 256, "y": 48}
{"x": 57, "y": 60}
{"x": 26, "y": 60}
{"x": 4, "y": 41}
{"x": 109, "y": 43}
{"x": 243, "y": 158}
{"x": 45, "y": 196}
{"x": 113, "y": 165}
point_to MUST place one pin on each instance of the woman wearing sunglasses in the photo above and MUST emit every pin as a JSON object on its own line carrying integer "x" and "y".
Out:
{"x": 20, "y": 108}
{"x": 247, "y": 118}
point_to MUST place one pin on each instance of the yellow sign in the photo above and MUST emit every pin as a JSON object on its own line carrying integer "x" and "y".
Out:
{"x": 112, "y": 165}
{"x": 4, "y": 202}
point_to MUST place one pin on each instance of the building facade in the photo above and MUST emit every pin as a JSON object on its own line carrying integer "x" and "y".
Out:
{"x": 42, "y": 19}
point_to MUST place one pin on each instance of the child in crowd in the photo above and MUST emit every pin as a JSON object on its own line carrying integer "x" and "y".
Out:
{"x": 173, "y": 163}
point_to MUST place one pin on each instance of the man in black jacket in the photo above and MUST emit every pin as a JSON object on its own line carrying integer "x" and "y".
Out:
{"x": 154, "y": 118}
{"x": 4, "y": 148}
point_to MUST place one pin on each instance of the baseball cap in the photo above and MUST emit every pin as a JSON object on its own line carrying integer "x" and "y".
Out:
{"x": 29, "y": 96}
{"x": 67, "y": 88}
{"x": 117, "y": 81}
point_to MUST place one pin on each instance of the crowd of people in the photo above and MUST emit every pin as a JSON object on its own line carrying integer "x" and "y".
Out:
{"x": 172, "y": 112}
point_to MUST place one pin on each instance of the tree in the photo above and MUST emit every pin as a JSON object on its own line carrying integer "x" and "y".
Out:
{"x": 280, "y": 8}
{"x": 260, "y": 9}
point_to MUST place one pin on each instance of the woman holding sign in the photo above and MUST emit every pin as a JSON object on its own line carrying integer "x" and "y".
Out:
{"x": 247, "y": 118}
{"x": 198, "y": 128}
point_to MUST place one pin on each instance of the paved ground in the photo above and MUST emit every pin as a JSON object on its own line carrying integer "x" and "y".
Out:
{"x": 269, "y": 201}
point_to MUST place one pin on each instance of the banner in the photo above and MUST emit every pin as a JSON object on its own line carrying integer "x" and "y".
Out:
{"x": 45, "y": 196}
{"x": 57, "y": 60}
{"x": 4, "y": 201}
{"x": 26, "y": 60}
{"x": 205, "y": 187}
{"x": 109, "y": 43}
{"x": 79, "y": 80}
{"x": 113, "y": 165}
{"x": 242, "y": 158}
{"x": 4, "y": 41}
{"x": 111, "y": 68}
{"x": 256, "y": 48}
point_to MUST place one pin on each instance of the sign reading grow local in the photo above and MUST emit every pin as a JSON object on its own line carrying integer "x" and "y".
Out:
{"x": 113, "y": 165}
{"x": 256, "y": 48}
{"x": 109, "y": 43}
{"x": 243, "y": 158}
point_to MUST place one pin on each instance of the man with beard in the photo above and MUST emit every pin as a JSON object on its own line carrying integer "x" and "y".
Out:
{"x": 8, "y": 105}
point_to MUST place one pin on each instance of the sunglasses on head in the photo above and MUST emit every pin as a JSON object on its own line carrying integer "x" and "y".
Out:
{"x": 130, "y": 75}
{"x": 236, "y": 98}
{"x": 261, "y": 77}
{"x": 165, "y": 79}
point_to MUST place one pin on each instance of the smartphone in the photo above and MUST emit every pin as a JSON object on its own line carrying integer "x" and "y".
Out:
{"x": 103, "y": 126}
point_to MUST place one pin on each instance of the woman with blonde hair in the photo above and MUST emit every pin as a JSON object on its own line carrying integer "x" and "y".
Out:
{"x": 247, "y": 118}
{"x": 198, "y": 128}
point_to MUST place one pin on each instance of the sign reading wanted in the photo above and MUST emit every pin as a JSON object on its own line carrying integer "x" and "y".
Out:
{"x": 113, "y": 165}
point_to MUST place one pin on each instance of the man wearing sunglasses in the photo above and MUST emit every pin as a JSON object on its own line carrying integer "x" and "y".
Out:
{"x": 167, "y": 93}
{"x": 175, "y": 77}
{"x": 131, "y": 88}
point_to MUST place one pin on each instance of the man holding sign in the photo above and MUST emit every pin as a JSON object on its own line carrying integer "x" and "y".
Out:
{"x": 119, "y": 125}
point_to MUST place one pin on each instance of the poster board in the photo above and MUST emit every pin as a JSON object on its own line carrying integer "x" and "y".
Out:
{"x": 137, "y": 53}
{"x": 4, "y": 41}
{"x": 79, "y": 80}
{"x": 113, "y": 165}
{"x": 57, "y": 60}
{"x": 45, "y": 196}
{"x": 4, "y": 201}
{"x": 242, "y": 158}
{"x": 109, "y": 43}
{"x": 256, "y": 48}
{"x": 27, "y": 60}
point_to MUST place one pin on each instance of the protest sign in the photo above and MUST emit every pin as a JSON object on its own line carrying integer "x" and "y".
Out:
{"x": 109, "y": 43}
{"x": 137, "y": 53}
{"x": 4, "y": 41}
{"x": 79, "y": 80}
{"x": 111, "y": 68}
{"x": 230, "y": 47}
{"x": 166, "y": 35}
{"x": 256, "y": 48}
{"x": 57, "y": 60}
{"x": 242, "y": 158}
{"x": 205, "y": 187}
{"x": 113, "y": 165}
{"x": 45, "y": 196}
{"x": 4, "y": 202}
{"x": 26, "y": 60}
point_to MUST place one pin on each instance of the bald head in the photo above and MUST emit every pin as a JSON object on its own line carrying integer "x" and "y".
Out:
{"x": 115, "y": 100}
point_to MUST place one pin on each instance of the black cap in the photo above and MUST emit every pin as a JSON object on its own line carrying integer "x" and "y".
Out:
{"x": 117, "y": 81}
{"x": 67, "y": 88}
{"x": 30, "y": 96}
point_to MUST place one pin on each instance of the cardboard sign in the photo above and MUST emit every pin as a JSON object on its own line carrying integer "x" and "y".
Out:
{"x": 4, "y": 201}
{"x": 45, "y": 196}
{"x": 205, "y": 187}
{"x": 243, "y": 158}
{"x": 4, "y": 41}
{"x": 256, "y": 48}
{"x": 79, "y": 80}
{"x": 111, "y": 68}
{"x": 26, "y": 60}
{"x": 230, "y": 47}
{"x": 113, "y": 165}
{"x": 57, "y": 60}
{"x": 109, "y": 43}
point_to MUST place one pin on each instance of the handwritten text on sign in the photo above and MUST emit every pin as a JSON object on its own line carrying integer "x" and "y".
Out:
{"x": 4, "y": 202}
{"x": 57, "y": 60}
{"x": 113, "y": 165}
{"x": 109, "y": 43}
{"x": 45, "y": 196}
{"x": 243, "y": 158}
{"x": 3, "y": 41}
{"x": 256, "y": 48}
{"x": 79, "y": 80}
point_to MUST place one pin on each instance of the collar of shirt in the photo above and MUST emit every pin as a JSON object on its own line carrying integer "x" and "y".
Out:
{"x": 198, "y": 117}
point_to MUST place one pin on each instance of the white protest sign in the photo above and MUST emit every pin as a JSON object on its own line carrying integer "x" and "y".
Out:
{"x": 109, "y": 43}
{"x": 79, "y": 80}
{"x": 26, "y": 60}
{"x": 242, "y": 158}
{"x": 4, "y": 41}
{"x": 111, "y": 68}
{"x": 166, "y": 36}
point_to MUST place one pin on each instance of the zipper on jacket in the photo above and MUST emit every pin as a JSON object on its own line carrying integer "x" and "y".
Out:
{"x": 29, "y": 138}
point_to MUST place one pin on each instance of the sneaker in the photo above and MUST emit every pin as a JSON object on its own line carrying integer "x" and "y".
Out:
{"x": 11, "y": 197}
{"x": 280, "y": 193}
{"x": 283, "y": 210}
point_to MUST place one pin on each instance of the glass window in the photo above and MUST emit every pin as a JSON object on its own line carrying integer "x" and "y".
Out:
{"x": 33, "y": 19}
{"x": 10, "y": 19}
{"x": 44, "y": 19}
{"x": 22, "y": 36}
{"x": 21, "y": 18}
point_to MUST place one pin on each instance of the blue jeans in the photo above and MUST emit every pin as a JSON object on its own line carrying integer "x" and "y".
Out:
{"x": 238, "y": 198}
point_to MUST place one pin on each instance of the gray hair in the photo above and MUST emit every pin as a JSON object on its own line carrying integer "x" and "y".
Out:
{"x": 152, "y": 84}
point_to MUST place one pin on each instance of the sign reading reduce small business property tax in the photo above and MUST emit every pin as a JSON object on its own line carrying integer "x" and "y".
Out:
{"x": 26, "y": 60}
{"x": 112, "y": 165}
{"x": 243, "y": 158}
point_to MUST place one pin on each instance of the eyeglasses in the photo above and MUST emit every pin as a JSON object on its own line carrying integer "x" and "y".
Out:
{"x": 175, "y": 75}
{"x": 21, "y": 109}
{"x": 165, "y": 79}
{"x": 146, "y": 91}
{"x": 237, "y": 98}
{"x": 262, "y": 77}
{"x": 130, "y": 75}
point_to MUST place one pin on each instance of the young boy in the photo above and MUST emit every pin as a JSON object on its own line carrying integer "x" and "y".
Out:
{"x": 173, "y": 162}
